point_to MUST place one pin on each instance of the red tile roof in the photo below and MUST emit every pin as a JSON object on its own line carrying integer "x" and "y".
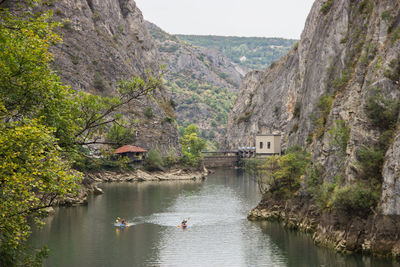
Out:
{"x": 129, "y": 148}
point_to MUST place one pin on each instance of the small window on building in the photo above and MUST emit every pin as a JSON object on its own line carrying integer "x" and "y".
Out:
{"x": 269, "y": 145}
{"x": 261, "y": 145}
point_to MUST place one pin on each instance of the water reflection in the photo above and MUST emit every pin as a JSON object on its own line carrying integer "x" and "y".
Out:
{"x": 218, "y": 232}
{"x": 217, "y": 235}
{"x": 300, "y": 250}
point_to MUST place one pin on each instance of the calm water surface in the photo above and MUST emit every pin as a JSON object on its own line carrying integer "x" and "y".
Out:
{"x": 218, "y": 232}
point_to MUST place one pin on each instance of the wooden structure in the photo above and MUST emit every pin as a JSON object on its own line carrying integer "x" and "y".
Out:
{"x": 135, "y": 153}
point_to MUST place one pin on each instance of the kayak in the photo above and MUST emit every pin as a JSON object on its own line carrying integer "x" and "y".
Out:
{"x": 118, "y": 224}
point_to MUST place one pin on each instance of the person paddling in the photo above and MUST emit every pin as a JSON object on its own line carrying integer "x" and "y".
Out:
{"x": 184, "y": 223}
{"x": 123, "y": 222}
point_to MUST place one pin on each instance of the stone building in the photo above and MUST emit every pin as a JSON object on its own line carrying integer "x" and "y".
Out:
{"x": 268, "y": 144}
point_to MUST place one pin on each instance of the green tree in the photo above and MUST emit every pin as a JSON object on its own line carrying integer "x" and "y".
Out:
{"x": 28, "y": 86}
{"x": 192, "y": 145}
{"x": 35, "y": 115}
{"x": 190, "y": 129}
{"x": 281, "y": 174}
{"x": 119, "y": 135}
{"x": 42, "y": 124}
{"x": 154, "y": 161}
{"x": 32, "y": 176}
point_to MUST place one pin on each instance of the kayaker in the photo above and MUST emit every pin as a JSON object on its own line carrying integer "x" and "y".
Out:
{"x": 184, "y": 223}
{"x": 123, "y": 222}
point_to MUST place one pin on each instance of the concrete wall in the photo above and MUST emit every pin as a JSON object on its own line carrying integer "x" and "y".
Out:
{"x": 220, "y": 161}
{"x": 274, "y": 142}
{"x": 277, "y": 144}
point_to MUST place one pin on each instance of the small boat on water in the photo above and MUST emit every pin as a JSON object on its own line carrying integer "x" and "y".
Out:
{"x": 123, "y": 225}
{"x": 183, "y": 225}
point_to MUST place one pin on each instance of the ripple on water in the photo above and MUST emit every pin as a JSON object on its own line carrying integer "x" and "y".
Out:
{"x": 217, "y": 233}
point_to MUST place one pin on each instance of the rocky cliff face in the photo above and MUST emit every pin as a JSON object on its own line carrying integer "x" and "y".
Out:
{"x": 107, "y": 41}
{"x": 330, "y": 94}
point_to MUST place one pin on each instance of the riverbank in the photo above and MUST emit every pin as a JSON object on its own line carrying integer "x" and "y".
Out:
{"x": 378, "y": 235}
{"x": 91, "y": 181}
{"x": 141, "y": 176}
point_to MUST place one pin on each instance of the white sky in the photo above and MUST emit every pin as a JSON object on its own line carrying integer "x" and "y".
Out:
{"x": 263, "y": 18}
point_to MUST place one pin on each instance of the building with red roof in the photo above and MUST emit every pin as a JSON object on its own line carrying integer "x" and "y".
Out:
{"x": 132, "y": 152}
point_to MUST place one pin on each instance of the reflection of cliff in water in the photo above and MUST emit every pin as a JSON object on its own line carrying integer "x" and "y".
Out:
{"x": 304, "y": 253}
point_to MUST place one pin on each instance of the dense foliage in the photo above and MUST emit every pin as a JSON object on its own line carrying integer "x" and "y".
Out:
{"x": 45, "y": 127}
{"x": 281, "y": 175}
{"x": 193, "y": 95}
{"x": 191, "y": 156}
{"x": 294, "y": 173}
{"x": 356, "y": 199}
{"x": 154, "y": 161}
{"x": 34, "y": 113}
{"x": 252, "y": 53}
{"x": 192, "y": 145}
{"x": 32, "y": 175}
{"x": 119, "y": 135}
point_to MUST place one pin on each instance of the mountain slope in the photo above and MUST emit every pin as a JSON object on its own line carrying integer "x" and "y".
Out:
{"x": 105, "y": 42}
{"x": 202, "y": 81}
{"x": 336, "y": 93}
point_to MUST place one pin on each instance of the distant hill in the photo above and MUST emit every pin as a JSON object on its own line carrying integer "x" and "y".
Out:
{"x": 203, "y": 83}
{"x": 251, "y": 53}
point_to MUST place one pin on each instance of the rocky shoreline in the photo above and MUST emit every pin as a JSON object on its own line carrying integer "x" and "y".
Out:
{"x": 92, "y": 180}
{"x": 142, "y": 176}
{"x": 377, "y": 235}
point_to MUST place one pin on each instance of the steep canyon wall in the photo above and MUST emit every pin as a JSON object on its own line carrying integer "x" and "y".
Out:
{"x": 342, "y": 77}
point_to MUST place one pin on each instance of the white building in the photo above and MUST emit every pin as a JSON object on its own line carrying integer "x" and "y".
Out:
{"x": 268, "y": 144}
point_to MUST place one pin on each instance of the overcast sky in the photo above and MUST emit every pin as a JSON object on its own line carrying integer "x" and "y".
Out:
{"x": 264, "y": 18}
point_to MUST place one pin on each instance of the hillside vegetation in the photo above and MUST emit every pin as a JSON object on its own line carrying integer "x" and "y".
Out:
{"x": 203, "y": 83}
{"x": 204, "y": 74}
{"x": 251, "y": 53}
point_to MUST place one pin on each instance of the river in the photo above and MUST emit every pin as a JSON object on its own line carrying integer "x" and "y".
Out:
{"x": 218, "y": 233}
